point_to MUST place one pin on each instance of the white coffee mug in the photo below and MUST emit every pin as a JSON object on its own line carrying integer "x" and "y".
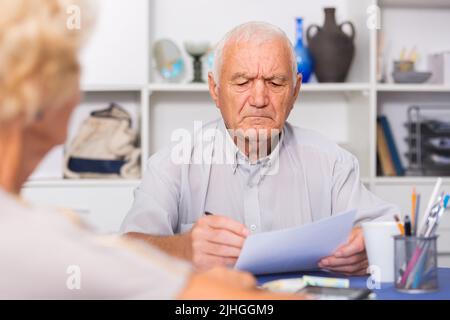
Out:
{"x": 379, "y": 241}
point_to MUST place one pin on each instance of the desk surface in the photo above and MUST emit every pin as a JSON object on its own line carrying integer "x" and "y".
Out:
{"x": 387, "y": 290}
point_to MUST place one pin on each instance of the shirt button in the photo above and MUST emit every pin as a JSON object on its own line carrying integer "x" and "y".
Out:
{"x": 253, "y": 228}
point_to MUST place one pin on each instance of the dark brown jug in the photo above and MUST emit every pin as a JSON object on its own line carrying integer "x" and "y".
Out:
{"x": 332, "y": 49}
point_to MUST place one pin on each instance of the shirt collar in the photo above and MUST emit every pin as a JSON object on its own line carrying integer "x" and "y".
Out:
{"x": 238, "y": 158}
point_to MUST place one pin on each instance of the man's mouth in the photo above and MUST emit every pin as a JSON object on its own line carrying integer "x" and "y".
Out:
{"x": 258, "y": 117}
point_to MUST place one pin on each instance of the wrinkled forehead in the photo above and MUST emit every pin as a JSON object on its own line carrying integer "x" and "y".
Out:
{"x": 256, "y": 56}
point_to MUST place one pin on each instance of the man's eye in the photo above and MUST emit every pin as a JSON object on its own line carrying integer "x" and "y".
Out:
{"x": 275, "y": 84}
{"x": 241, "y": 84}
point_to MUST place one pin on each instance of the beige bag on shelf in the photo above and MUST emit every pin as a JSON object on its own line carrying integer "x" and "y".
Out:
{"x": 105, "y": 147}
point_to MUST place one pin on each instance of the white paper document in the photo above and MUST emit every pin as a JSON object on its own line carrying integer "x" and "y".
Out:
{"x": 295, "y": 249}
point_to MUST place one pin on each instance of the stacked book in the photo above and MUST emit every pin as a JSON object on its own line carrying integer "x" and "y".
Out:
{"x": 388, "y": 157}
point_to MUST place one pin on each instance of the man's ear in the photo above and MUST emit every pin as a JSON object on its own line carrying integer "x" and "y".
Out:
{"x": 298, "y": 85}
{"x": 213, "y": 88}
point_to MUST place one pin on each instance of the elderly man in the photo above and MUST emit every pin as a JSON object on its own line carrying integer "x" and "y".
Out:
{"x": 203, "y": 210}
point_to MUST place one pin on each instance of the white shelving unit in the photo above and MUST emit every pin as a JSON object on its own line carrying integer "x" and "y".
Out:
{"x": 405, "y": 24}
{"x": 346, "y": 112}
{"x": 434, "y": 4}
{"x": 85, "y": 183}
{"x": 111, "y": 88}
{"x": 307, "y": 87}
{"x": 426, "y": 88}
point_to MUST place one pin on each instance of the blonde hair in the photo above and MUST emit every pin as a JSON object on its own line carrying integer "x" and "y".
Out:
{"x": 39, "y": 65}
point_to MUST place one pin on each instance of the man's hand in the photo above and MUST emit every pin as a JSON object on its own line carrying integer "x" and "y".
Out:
{"x": 349, "y": 259}
{"x": 216, "y": 240}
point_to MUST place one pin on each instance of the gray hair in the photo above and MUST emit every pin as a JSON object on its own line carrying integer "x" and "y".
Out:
{"x": 256, "y": 32}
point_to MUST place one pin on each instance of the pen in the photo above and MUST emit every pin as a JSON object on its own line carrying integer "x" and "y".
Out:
{"x": 435, "y": 219}
{"x": 432, "y": 200}
{"x": 432, "y": 214}
{"x": 413, "y": 55}
{"x": 407, "y": 226}
{"x": 402, "y": 54}
{"x": 326, "y": 282}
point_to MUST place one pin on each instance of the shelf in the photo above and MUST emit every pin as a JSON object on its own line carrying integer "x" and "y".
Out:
{"x": 110, "y": 88}
{"x": 410, "y": 181}
{"x": 432, "y": 4}
{"x": 178, "y": 87}
{"x": 335, "y": 87}
{"x": 394, "y": 87}
{"x": 309, "y": 87}
{"x": 81, "y": 183}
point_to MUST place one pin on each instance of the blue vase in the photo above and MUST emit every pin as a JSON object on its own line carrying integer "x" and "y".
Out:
{"x": 304, "y": 59}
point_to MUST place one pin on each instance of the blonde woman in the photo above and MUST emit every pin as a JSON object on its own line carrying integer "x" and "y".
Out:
{"x": 43, "y": 253}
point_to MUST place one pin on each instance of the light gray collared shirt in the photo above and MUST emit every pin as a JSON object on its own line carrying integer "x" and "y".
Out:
{"x": 305, "y": 179}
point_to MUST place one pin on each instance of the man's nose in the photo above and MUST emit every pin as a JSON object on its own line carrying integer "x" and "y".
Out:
{"x": 259, "y": 96}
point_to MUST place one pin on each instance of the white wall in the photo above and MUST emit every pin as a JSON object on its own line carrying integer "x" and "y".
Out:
{"x": 117, "y": 52}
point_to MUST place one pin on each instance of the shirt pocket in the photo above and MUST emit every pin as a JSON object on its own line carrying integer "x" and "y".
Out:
{"x": 185, "y": 227}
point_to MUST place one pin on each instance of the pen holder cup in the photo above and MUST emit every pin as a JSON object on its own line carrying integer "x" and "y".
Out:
{"x": 415, "y": 264}
{"x": 404, "y": 66}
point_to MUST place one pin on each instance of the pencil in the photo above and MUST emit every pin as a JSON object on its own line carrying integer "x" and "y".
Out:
{"x": 413, "y": 207}
{"x": 399, "y": 225}
{"x": 416, "y": 216}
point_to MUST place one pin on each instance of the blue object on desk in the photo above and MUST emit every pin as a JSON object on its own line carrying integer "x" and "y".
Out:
{"x": 387, "y": 290}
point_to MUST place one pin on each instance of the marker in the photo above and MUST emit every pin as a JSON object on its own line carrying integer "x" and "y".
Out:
{"x": 407, "y": 226}
{"x": 326, "y": 282}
